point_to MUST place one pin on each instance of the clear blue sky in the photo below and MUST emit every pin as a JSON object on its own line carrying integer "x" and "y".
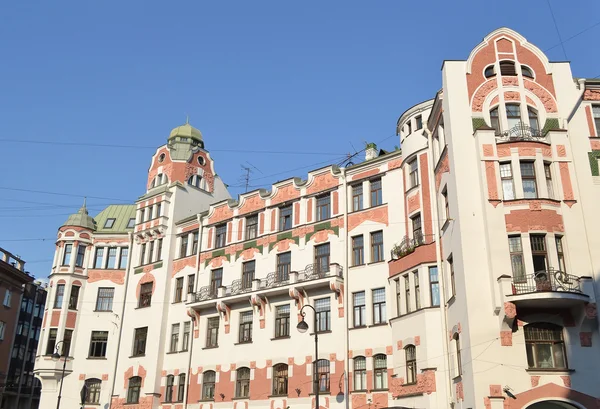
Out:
{"x": 252, "y": 75}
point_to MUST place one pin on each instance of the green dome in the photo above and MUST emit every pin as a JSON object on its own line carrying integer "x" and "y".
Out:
{"x": 81, "y": 219}
{"x": 186, "y": 131}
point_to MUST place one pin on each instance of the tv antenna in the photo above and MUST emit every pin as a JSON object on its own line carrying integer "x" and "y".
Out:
{"x": 248, "y": 169}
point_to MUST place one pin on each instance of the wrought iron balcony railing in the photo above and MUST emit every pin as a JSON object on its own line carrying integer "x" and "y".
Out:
{"x": 272, "y": 280}
{"x": 521, "y": 132}
{"x": 408, "y": 245}
{"x": 546, "y": 281}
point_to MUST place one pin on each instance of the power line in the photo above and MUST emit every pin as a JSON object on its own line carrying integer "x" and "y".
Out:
{"x": 573, "y": 36}
{"x": 562, "y": 44}
{"x": 15, "y": 189}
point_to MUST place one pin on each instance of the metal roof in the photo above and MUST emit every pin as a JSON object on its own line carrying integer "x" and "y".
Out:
{"x": 121, "y": 213}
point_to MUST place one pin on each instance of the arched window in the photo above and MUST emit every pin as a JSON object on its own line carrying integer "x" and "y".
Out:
{"x": 280, "y": 379}
{"x": 159, "y": 179}
{"x": 410, "y": 352}
{"x": 545, "y": 346}
{"x": 513, "y": 115}
{"x": 242, "y": 389}
{"x": 533, "y": 120}
{"x": 196, "y": 181}
{"x": 94, "y": 386}
{"x": 321, "y": 379}
{"x": 133, "y": 389}
{"x": 526, "y": 71}
{"x": 208, "y": 385}
{"x": 169, "y": 388}
{"x": 380, "y": 371}
{"x": 495, "y": 120}
{"x": 181, "y": 387}
{"x": 489, "y": 71}
{"x": 360, "y": 373}
{"x": 507, "y": 68}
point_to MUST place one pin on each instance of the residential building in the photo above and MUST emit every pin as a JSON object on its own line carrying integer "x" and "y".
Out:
{"x": 456, "y": 272}
{"x": 13, "y": 277}
{"x": 22, "y": 389}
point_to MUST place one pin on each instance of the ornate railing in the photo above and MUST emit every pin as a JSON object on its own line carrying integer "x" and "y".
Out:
{"x": 521, "y": 132}
{"x": 545, "y": 281}
{"x": 274, "y": 279}
{"x": 408, "y": 245}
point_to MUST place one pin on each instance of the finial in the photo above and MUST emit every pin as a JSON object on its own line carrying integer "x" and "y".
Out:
{"x": 84, "y": 201}
{"x": 187, "y": 119}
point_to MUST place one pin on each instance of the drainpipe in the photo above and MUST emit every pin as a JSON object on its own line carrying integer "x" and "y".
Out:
{"x": 438, "y": 257}
{"x": 189, "y": 371}
{"x": 346, "y": 307}
{"x": 127, "y": 275}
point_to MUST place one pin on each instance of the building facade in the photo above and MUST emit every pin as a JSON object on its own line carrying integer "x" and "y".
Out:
{"x": 459, "y": 271}
{"x": 12, "y": 281}
{"x": 22, "y": 389}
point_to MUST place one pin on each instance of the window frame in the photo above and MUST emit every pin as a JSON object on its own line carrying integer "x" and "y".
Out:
{"x": 515, "y": 250}
{"x": 185, "y": 338}
{"x": 101, "y": 297}
{"x": 529, "y": 178}
{"x": 99, "y": 343}
{"x": 513, "y": 116}
{"x": 145, "y": 299}
{"x": 548, "y": 178}
{"x": 560, "y": 253}
{"x": 434, "y": 283}
{"x": 508, "y": 68}
{"x": 216, "y": 277}
{"x": 357, "y": 197}
{"x": 379, "y": 307}
{"x": 134, "y": 386}
{"x": 504, "y": 178}
{"x": 111, "y": 221}
{"x": 321, "y": 373}
{"x": 181, "y": 387}
{"x": 495, "y": 120}
{"x": 359, "y": 316}
{"x": 93, "y": 391}
{"x": 174, "y": 344}
{"x": 245, "y": 327}
{"x": 140, "y": 338}
{"x": 537, "y": 252}
{"x": 380, "y": 372}
{"x": 66, "y": 261}
{"x": 178, "y": 290}
{"x": 282, "y": 273}
{"x": 323, "y": 203}
{"x": 220, "y": 235}
{"x": 248, "y": 274}
{"x": 208, "y": 385}
{"x": 323, "y": 315}
{"x": 191, "y": 282}
{"x": 322, "y": 258}
{"x": 183, "y": 245}
{"x": 532, "y": 346}
{"x": 74, "y": 297}
{"x": 596, "y": 117}
{"x": 358, "y": 250}
{"x": 242, "y": 382}
{"x": 59, "y": 296}
{"x": 413, "y": 173}
{"x": 285, "y": 217}
{"x": 123, "y": 258}
{"x": 280, "y": 379}
{"x": 377, "y": 251}
{"x": 376, "y": 192}
{"x": 80, "y": 258}
{"x": 417, "y": 285}
{"x": 251, "y": 230}
{"x": 410, "y": 356}
{"x": 170, "y": 382}
{"x": 212, "y": 330}
{"x": 450, "y": 261}
{"x": 282, "y": 321}
{"x": 359, "y": 373}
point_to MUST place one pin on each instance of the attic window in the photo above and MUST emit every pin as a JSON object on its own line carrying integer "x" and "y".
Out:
{"x": 131, "y": 223}
{"x": 201, "y": 160}
{"x": 526, "y": 71}
{"x": 489, "y": 71}
{"x": 109, "y": 223}
{"x": 161, "y": 157}
{"x": 507, "y": 68}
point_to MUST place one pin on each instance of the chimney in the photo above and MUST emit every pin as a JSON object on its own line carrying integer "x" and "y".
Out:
{"x": 371, "y": 151}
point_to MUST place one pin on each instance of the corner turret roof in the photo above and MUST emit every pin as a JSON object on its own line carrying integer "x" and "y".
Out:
{"x": 81, "y": 219}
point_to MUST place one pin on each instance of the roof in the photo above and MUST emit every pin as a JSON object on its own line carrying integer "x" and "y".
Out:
{"x": 121, "y": 214}
{"x": 81, "y": 219}
{"x": 186, "y": 131}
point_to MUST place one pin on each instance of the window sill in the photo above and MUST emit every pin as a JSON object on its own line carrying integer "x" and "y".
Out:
{"x": 137, "y": 356}
{"x": 210, "y": 347}
{"x": 359, "y": 391}
{"x": 240, "y": 397}
{"x": 283, "y": 395}
{"x": 102, "y": 311}
{"x": 321, "y": 332}
{"x": 546, "y": 371}
{"x": 412, "y": 188}
{"x": 276, "y": 339}
{"x": 386, "y": 389}
{"x": 451, "y": 300}
{"x": 171, "y": 352}
{"x": 376, "y": 262}
{"x": 327, "y": 393}
{"x": 141, "y": 308}
{"x": 243, "y": 343}
{"x": 206, "y": 400}
{"x": 445, "y": 225}
{"x": 357, "y": 265}
{"x": 358, "y": 327}
{"x": 96, "y": 358}
{"x": 381, "y": 324}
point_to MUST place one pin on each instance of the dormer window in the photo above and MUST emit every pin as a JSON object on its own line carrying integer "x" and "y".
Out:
{"x": 507, "y": 68}
{"x": 526, "y": 71}
{"x": 160, "y": 179}
{"x": 196, "y": 181}
{"x": 489, "y": 71}
{"x": 109, "y": 223}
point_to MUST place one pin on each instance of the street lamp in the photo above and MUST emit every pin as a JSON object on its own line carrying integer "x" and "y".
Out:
{"x": 56, "y": 355}
{"x": 302, "y": 328}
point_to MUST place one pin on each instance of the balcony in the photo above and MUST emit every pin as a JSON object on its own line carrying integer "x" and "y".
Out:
{"x": 411, "y": 252}
{"x": 521, "y": 132}
{"x": 274, "y": 283}
{"x": 551, "y": 288}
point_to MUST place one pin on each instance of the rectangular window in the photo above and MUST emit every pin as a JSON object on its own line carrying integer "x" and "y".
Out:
{"x": 145, "y": 295}
{"x": 528, "y": 178}
{"x": 398, "y": 298}
{"x": 67, "y": 255}
{"x": 80, "y": 256}
{"x": 377, "y": 246}
{"x": 8, "y": 296}
{"x": 407, "y": 293}
{"x": 560, "y": 253}
{"x": 506, "y": 176}
{"x": 245, "y": 334}
{"x": 417, "y": 290}
{"x": 596, "y": 114}
{"x": 376, "y": 192}
{"x": 2, "y": 329}
{"x": 174, "y": 337}
{"x": 143, "y": 254}
{"x": 123, "y": 258}
{"x": 178, "y": 289}
{"x": 251, "y": 227}
{"x": 513, "y": 114}
{"x": 282, "y": 321}
{"x": 195, "y": 238}
{"x": 515, "y": 249}
{"x": 434, "y": 286}
{"x": 112, "y": 258}
{"x": 183, "y": 244}
{"x": 322, "y": 258}
{"x": 185, "y": 342}
{"x": 131, "y": 223}
{"x": 58, "y": 297}
{"x": 158, "y": 210}
{"x": 446, "y": 206}
{"x": 212, "y": 333}
{"x": 191, "y": 282}
{"x": 221, "y": 236}
{"x": 324, "y": 207}
{"x": 104, "y": 302}
{"x": 98, "y": 344}
{"x": 358, "y": 251}
{"x": 452, "y": 282}
{"x": 66, "y": 346}
{"x": 549, "y": 184}
{"x": 216, "y": 280}
{"x": 139, "y": 341}
{"x": 284, "y": 263}
{"x": 51, "y": 341}
{"x": 416, "y": 229}
{"x": 248, "y": 274}
{"x": 419, "y": 122}
{"x": 323, "y": 308}
{"x": 409, "y": 127}
{"x": 539, "y": 253}
{"x": 109, "y": 223}
{"x": 74, "y": 297}
{"x": 413, "y": 175}
{"x": 285, "y": 218}
{"x": 360, "y": 309}
{"x": 379, "y": 309}
{"x": 159, "y": 244}
{"x": 151, "y": 251}
{"x": 357, "y": 197}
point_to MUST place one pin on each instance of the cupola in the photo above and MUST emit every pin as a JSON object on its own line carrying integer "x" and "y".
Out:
{"x": 81, "y": 219}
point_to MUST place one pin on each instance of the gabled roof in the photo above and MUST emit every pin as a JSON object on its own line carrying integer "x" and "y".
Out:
{"x": 121, "y": 214}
